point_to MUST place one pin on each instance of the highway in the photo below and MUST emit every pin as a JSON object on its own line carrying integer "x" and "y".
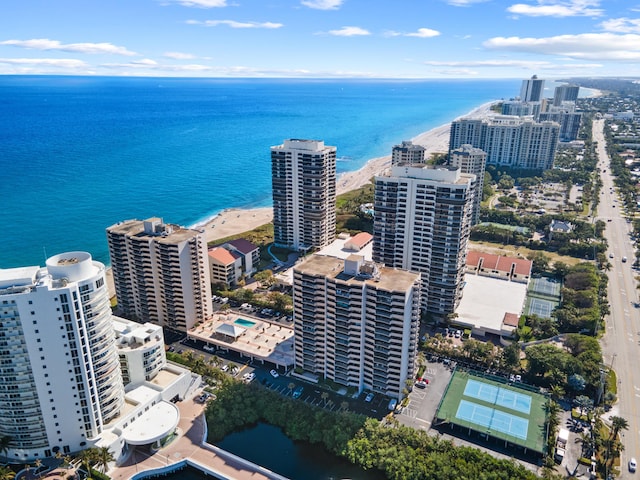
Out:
{"x": 620, "y": 343}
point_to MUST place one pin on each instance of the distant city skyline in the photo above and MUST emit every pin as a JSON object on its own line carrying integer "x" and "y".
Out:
{"x": 322, "y": 38}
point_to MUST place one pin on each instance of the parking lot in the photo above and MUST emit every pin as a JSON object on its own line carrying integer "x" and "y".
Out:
{"x": 423, "y": 402}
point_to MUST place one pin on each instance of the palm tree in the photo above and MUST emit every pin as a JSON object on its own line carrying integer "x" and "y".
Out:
{"x": 325, "y": 396}
{"x": 617, "y": 424}
{"x": 38, "y": 464}
{"x": 7, "y": 474}
{"x": 291, "y": 387}
{"x": 5, "y": 440}
{"x": 103, "y": 458}
{"x": 557, "y": 392}
{"x": 88, "y": 457}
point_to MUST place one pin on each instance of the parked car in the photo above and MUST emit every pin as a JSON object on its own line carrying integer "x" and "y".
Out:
{"x": 369, "y": 397}
{"x": 274, "y": 374}
{"x": 392, "y": 404}
{"x": 224, "y": 368}
{"x": 422, "y": 383}
{"x": 209, "y": 348}
{"x": 298, "y": 392}
{"x": 248, "y": 377}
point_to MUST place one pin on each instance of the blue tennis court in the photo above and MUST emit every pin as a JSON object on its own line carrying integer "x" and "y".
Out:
{"x": 497, "y": 395}
{"x": 492, "y": 419}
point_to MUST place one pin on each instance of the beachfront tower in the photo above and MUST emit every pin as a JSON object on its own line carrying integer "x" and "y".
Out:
{"x": 60, "y": 381}
{"x": 161, "y": 273}
{"x": 509, "y": 140}
{"x": 356, "y": 323}
{"x": 304, "y": 194}
{"x": 422, "y": 223}
{"x": 471, "y": 160}
{"x": 565, "y": 93}
{"x": 407, "y": 154}
{"x": 532, "y": 90}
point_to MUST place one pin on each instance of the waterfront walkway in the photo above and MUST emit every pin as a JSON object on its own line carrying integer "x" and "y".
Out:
{"x": 191, "y": 446}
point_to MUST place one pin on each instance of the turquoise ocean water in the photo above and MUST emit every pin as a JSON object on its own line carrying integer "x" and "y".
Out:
{"x": 78, "y": 154}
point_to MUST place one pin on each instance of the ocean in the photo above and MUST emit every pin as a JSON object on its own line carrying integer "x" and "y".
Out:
{"x": 78, "y": 154}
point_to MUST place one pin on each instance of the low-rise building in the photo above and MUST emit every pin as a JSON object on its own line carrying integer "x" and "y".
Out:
{"x": 233, "y": 260}
{"x": 498, "y": 266}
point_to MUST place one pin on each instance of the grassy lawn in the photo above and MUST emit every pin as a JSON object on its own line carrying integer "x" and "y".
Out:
{"x": 514, "y": 251}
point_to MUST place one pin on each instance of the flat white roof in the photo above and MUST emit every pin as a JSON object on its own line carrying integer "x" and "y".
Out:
{"x": 142, "y": 394}
{"x": 159, "y": 421}
{"x": 485, "y": 300}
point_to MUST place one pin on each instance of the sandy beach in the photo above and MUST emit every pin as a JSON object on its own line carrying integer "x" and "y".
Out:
{"x": 236, "y": 220}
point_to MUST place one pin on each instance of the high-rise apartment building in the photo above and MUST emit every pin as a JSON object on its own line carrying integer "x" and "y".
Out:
{"x": 422, "y": 224}
{"x": 161, "y": 273}
{"x": 304, "y": 194}
{"x": 407, "y": 153}
{"x": 512, "y": 141}
{"x": 565, "y": 93}
{"x": 568, "y": 120}
{"x": 472, "y": 160}
{"x": 356, "y": 323}
{"x": 532, "y": 90}
{"x": 60, "y": 380}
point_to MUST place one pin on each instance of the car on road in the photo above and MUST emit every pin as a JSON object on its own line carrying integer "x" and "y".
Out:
{"x": 369, "y": 397}
{"x": 611, "y": 255}
{"x": 632, "y": 465}
{"x": 624, "y": 259}
{"x": 274, "y": 374}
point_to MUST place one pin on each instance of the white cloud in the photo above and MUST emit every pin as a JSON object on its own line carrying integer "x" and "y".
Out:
{"x": 234, "y": 24}
{"x": 622, "y": 25}
{"x": 323, "y": 4}
{"x": 424, "y": 33}
{"x": 148, "y": 64}
{"x": 592, "y": 46}
{"x": 528, "y": 64}
{"x": 464, "y": 3}
{"x": 46, "y": 44}
{"x": 179, "y": 55}
{"x": 51, "y": 62}
{"x": 558, "y": 8}
{"x": 349, "y": 32}
{"x": 202, "y": 3}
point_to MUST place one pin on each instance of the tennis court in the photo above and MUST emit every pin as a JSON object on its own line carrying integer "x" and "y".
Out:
{"x": 545, "y": 286}
{"x": 510, "y": 412}
{"x": 498, "y": 395}
{"x": 540, "y": 307}
{"x": 493, "y": 419}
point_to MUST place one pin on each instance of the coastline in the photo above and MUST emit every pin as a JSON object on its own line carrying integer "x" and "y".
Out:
{"x": 233, "y": 221}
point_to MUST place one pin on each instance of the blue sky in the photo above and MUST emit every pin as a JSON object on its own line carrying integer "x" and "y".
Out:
{"x": 322, "y": 38}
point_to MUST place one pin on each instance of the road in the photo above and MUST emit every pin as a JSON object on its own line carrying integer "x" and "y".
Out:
{"x": 620, "y": 342}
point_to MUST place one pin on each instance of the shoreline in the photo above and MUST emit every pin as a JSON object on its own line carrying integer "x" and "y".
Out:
{"x": 233, "y": 221}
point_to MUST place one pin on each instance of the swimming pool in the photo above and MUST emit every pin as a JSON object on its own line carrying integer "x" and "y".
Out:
{"x": 244, "y": 323}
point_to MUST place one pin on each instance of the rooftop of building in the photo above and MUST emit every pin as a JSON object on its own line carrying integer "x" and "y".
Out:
{"x": 222, "y": 255}
{"x": 490, "y": 261}
{"x": 385, "y": 278}
{"x": 248, "y": 335}
{"x": 243, "y": 245}
{"x": 485, "y": 301}
{"x": 132, "y": 335}
{"x": 167, "y": 233}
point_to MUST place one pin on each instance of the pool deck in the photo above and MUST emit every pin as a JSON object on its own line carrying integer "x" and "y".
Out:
{"x": 264, "y": 341}
{"x": 190, "y": 445}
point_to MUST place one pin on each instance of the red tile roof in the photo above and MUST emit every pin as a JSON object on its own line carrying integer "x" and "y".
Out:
{"x": 222, "y": 255}
{"x": 521, "y": 266}
{"x": 510, "y": 319}
{"x": 360, "y": 240}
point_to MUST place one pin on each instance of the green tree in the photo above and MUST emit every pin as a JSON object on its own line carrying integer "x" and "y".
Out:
{"x": 617, "y": 424}
{"x": 265, "y": 278}
{"x": 5, "y": 442}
